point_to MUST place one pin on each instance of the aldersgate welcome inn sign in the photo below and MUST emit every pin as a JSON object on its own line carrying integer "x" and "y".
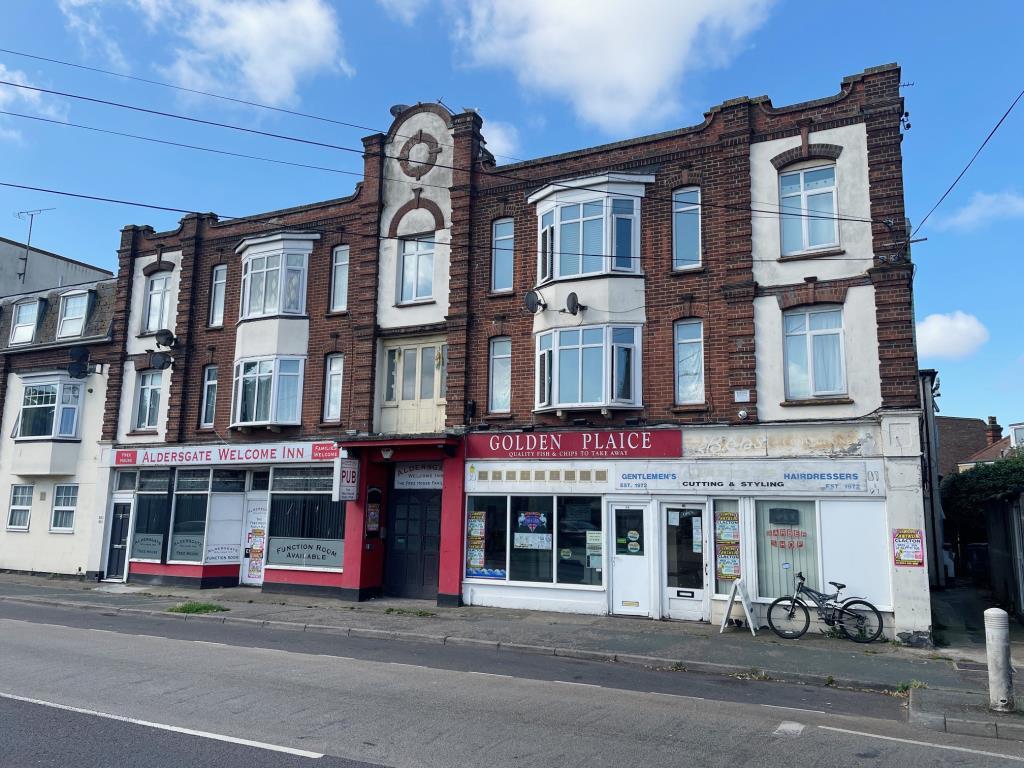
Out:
{"x": 208, "y": 455}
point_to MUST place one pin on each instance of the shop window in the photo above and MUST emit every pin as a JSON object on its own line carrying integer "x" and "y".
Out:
{"x": 50, "y": 410}
{"x": 307, "y": 529}
{"x": 218, "y": 285}
{"x": 73, "y": 310}
{"x": 689, "y": 342}
{"x": 727, "y": 544}
{"x": 152, "y": 515}
{"x": 268, "y": 391}
{"x": 500, "y": 375}
{"x": 274, "y": 284}
{"x": 209, "y": 408}
{"x": 126, "y": 480}
{"x": 23, "y": 321}
{"x": 538, "y": 539}
{"x": 188, "y": 530}
{"x": 21, "y": 507}
{"x": 228, "y": 481}
{"x": 502, "y": 240}
{"x": 807, "y": 205}
{"x": 787, "y": 543}
{"x": 158, "y": 300}
{"x": 339, "y": 279}
{"x": 65, "y": 501}
{"x": 416, "y": 282}
{"x": 596, "y": 366}
{"x": 147, "y": 400}
{"x": 815, "y": 362}
{"x": 686, "y": 228}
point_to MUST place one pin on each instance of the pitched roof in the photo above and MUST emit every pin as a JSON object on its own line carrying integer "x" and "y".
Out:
{"x": 959, "y": 437}
{"x": 991, "y": 453}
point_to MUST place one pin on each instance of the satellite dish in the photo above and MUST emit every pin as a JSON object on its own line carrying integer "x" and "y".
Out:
{"x": 160, "y": 360}
{"x": 572, "y": 304}
{"x": 533, "y": 302}
{"x": 165, "y": 338}
{"x": 78, "y": 354}
{"x": 78, "y": 369}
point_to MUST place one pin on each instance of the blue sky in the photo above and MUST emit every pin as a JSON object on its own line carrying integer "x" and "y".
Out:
{"x": 548, "y": 77}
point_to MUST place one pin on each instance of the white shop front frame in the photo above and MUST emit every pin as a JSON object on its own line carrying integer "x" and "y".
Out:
{"x": 708, "y": 504}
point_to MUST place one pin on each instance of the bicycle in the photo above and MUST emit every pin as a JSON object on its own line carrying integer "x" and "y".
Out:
{"x": 855, "y": 617}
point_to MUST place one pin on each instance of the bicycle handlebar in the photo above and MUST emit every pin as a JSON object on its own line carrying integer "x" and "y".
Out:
{"x": 800, "y": 575}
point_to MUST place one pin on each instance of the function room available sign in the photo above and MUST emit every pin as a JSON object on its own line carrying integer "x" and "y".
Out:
{"x": 908, "y": 547}
{"x": 207, "y": 455}
{"x": 594, "y": 444}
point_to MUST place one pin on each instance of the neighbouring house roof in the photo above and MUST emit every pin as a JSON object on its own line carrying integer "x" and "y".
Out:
{"x": 959, "y": 437}
{"x": 987, "y": 455}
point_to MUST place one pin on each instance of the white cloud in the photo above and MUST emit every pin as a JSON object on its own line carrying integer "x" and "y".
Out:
{"x": 502, "y": 139}
{"x": 25, "y": 102}
{"x": 257, "y": 49}
{"x": 984, "y": 208}
{"x": 617, "y": 65}
{"x": 954, "y": 336}
{"x": 404, "y": 11}
{"x": 84, "y": 18}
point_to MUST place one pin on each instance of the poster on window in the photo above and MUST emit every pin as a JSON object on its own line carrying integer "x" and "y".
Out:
{"x": 147, "y": 546}
{"x": 908, "y": 547}
{"x": 727, "y": 560}
{"x": 727, "y": 525}
{"x": 532, "y": 541}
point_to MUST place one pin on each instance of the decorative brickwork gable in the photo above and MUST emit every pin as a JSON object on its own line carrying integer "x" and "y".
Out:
{"x": 806, "y": 152}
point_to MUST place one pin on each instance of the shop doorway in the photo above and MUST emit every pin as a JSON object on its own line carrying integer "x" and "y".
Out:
{"x": 254, "y": 539}
{"x": 413, "y": 544}
{"x": 117, "y": 553}
{"x": 684, "y": 593}
{"x": 631, "y": 555}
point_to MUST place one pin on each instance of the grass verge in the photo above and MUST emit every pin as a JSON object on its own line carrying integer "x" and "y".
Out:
{"x": 193, "y": 607}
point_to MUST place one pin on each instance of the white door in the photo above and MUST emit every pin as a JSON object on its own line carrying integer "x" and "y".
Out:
{"x": 631, "y": 558}
{"x": 683, "y": 580}
{"x": 254, "y": 539}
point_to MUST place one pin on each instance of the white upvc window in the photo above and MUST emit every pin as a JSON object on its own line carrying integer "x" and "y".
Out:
{"x": 589, "y": 237}
{"x": 339, "y": 279}
{"x": 268, "y": 391}
{"x": 147, "y": 399}
{"x": 209, "y": 406}
{"x": 686, "y": 235}
{"x": 24, "y": 319}
{"x": 274, "y": 284}
{"x": 158, "y": 300}
{"x": 50, "y": 409}
{"x": 689, "y": 347}
{"x": 73, "y": 310}
{"x": 807, "y": 206}
{"x": 334, "y": 370}
{"x": 589, "y": 366}
{"x": 814, "y": 353}
{"x": 65, "y": 501}
{"x": 499, "y": 398}
{"x": 416, "y": 279}
{"x": 218, "y": 286}
{"x": 502, "y": 263}
{"x": 20, "y": 511}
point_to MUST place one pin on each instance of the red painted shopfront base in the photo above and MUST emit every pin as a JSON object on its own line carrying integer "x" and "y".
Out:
{"x": 198, "y": 576}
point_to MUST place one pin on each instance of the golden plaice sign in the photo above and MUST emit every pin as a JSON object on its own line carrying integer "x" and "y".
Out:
{"x": 419, "y": 154}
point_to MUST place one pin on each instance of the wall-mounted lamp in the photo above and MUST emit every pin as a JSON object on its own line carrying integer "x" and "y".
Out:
{"x": 387, "y": 453}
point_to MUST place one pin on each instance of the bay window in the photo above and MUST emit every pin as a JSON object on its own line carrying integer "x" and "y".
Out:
{"x": 50, "y": 410}
{"x": 686, "y": 228}
{"x": 589, "y": 366}
{"x": 588, "y": 237}
{"x": 807, "y": 207}
{"x": 23, "y": 321}
{"x": 73, "y": 309}
{"x": 158, "y": 301}
{"x": 268, "y": 391}
{"x": 274, "y": 284}
{"x": 689, "y": 347}
{"x": 814, "y": 358}
{"x": 536, "y": 539}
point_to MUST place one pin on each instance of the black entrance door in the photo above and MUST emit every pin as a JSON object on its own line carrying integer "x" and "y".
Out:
{"x": 119, "y": 520}
{"x": 413, "y": 544}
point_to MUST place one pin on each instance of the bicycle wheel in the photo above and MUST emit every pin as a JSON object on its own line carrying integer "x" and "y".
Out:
{"x": 860, "y": 621}
{"x": 788, "y": 617}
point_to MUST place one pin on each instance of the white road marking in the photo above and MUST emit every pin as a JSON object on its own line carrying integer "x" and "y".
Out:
{"x": 165, "y": 727}
{"x": 486, "y": 674}
{"x": 796, "y": 709}
{"x": 789, "y": 728}
{"x": 924, "y": 744}
{"x": 582, "y": 685}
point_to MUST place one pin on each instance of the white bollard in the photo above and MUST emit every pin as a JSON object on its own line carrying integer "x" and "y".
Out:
{"x": 1000, "y": 673}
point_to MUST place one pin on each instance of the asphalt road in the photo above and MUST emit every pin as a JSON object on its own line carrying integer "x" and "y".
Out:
{"x": 70, "y": 678}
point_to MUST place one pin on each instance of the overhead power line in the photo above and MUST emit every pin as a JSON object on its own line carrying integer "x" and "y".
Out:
{"x": 328, "y": 145}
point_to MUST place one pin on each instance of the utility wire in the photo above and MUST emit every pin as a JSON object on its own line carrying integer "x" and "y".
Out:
{"x": 327, "y": 145}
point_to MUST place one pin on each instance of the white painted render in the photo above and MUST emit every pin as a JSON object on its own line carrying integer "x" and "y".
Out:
{"x": 611, "y": 299}
{"x": 272, "y": 336}
{"x": 860, "y": 340}
{"x": 126, "y": 412}
{"x": 45, "y": 464}
{"x": 135, "y": 344}
{"x": 853, "y": 194}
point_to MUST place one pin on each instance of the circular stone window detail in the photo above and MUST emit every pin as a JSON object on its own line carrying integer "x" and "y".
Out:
{"x": 419, "y": 154}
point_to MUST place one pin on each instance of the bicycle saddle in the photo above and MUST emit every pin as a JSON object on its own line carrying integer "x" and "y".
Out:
{"x": 837, "y": 585}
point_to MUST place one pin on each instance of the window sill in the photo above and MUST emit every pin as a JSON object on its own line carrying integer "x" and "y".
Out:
{"x": 215, "y": 328}
{"x": 683, "y": 271}
{"x": 499, "y": 294}
{"x": 816, "y": 401}
{"x": 145, "y": 335}
{"x": 691, "y": 408}
{"x": 329, "y": 424}
{"x": 47, "y": 439}
{"x": 805, "y": 255}
{"x": 589, "y": 408}
{"x": 336, "y": 313}
{"x": 141, "y": 432}
{"x": 207, "y": 428}
{"x": 64, "y": 531}
{"x": 273, "y": 427}
{"x": 16, "y": 530}
{"x": 497, "y": 417}
{"x": 416, "y": 303}
{"x": 590, "y": 276}
{"x": 278, "y": 316}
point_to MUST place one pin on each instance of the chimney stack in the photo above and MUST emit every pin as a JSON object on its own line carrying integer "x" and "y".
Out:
{"x": 993, "y": 432}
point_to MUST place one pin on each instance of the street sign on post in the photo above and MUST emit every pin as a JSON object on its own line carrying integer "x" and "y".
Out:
{"x": 346, "y": 480}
